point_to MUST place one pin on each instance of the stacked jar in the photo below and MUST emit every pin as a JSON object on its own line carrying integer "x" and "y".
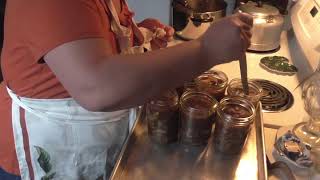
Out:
{"x": 163, "y": 118}
{"x": 197, "y": 114}
{"x": 235, "y": 89}
{"x": 187, "y": 86}
{"x": 234, "y": 119}
{"x": 213, "y": 82}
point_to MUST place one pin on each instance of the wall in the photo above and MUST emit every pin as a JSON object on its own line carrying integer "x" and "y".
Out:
{"x": 159, "y": 9}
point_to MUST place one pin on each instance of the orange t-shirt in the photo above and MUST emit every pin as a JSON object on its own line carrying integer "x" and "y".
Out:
{"x": 33, "y": 28}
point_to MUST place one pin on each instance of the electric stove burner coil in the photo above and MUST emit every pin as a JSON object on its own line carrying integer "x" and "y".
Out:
{"x": 275, "y": 98}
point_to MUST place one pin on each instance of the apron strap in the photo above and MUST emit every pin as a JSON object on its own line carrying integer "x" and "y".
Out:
{"x": 19, "y": 143}
{"x": 93, "y": 118}
{"x": 17, "y": 101}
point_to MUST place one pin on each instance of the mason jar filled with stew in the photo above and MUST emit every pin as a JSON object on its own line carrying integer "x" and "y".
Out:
{"x": 213, "y": 82}
{"x": 163, "y": 118}
{"x": 235, "y": 89}
{"x": 235, "y": 117}
{"x": 197, "y": 113}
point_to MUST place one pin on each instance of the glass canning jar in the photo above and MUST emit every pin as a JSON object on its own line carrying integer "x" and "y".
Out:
{"x": 235, "y": 89}
{"x": 213, "y": 82}
{"x": 197, "y": 111}
{"x": 234, "y": 119}
{"x": 309, "y": 132}
{"x": 163, "y": 118}
{"x": 187, "y": 86}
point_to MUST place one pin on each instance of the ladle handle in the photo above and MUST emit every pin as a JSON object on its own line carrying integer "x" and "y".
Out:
{"x": 244, "y": 73}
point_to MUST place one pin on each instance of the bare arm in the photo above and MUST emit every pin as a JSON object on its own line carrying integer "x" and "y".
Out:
{"x": 101, "y": 82}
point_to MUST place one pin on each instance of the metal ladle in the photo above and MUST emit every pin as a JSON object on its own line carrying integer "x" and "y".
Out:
{"x": 244, "y": 73}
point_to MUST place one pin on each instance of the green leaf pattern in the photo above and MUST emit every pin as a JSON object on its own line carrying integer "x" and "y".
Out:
{"x": 278, "y": 63}
{"x": 44, "y": 162}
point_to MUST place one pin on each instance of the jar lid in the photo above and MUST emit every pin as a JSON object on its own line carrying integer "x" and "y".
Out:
{"x": 259, "y": 9}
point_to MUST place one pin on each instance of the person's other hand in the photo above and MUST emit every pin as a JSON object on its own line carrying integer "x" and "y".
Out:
{"x": 163, "y": 33}
{"x": 227, "y": 39}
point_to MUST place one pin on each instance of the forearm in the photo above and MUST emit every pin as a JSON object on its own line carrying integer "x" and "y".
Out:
{"x": 132, "y": 80}
{"x": 99, "y": 80}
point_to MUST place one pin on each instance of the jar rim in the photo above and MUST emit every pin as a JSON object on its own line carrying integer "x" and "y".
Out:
{"x": 189, "y": 94}
{"x": 214, "y": 73}
{"x": 164, "y": 102}
{"x": 239, "y": 101}
{"x": 236, "y": 82}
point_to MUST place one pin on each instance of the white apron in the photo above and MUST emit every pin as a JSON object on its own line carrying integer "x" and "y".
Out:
{"x": 58, "y": 139}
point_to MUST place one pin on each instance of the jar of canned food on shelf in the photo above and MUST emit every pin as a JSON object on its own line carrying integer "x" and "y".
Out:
{"x": 235, "y": 89}
{"x": 197, "y": 114}
{"x": 213, "y": 82}
{"x": 163, "y": 118}
{"x": 235, "y": 117}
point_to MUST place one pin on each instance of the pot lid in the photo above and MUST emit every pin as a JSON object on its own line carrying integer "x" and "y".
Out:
{"x": 257, "y": 9}
{"x": 202, "y": 6}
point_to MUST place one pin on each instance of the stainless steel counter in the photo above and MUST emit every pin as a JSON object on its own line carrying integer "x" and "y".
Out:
{"x": 141, "y": 159}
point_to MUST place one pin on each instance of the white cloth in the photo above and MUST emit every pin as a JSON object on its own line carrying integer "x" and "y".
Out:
{"x": 64, "y": 141}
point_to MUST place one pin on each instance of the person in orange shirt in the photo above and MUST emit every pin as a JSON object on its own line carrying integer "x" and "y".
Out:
{"x": 74, "y": 71}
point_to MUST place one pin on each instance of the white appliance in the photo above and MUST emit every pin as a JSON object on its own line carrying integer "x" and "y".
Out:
{"x": 306, "y": 24}
{"x": 304, "y": 49}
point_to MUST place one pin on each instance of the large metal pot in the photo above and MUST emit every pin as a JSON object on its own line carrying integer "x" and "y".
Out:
{"x": 267, "y": 25}
{"x": 198, "y": 23}
{"x": 193, "y": 17}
